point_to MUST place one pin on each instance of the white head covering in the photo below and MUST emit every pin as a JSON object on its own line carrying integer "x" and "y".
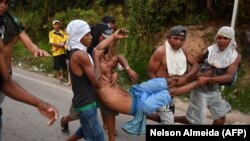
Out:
{"x": 76, "y": 29}
{"x": 222, "y": 59}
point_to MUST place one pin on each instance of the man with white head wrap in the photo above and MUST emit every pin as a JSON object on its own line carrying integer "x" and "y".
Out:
{"x": 84, "y": 76}
{"x": 221, "y": 61}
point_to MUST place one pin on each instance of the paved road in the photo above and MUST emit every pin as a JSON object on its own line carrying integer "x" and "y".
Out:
{"x": 24, "y": 123}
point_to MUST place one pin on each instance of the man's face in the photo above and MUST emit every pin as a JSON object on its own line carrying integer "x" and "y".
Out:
{"x": 86, "y": 39}
{"x": 104, "y": 66}
{"x": 222, "y": 42}
{"x": 176, "y": 42}
{"x": 112, "y": 26}
{"x": 3, "y": 6}
{"x": 57, "y": 26}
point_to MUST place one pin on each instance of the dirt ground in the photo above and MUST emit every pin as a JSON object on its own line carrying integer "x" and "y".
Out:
{"x": 233, "y": 118}
{"x": 199, "y": 38}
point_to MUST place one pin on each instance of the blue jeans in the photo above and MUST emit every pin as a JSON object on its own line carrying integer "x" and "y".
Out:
{"x": 90, "y": 128}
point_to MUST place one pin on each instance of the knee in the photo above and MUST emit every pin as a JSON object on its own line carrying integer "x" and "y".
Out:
{"x": 220, "y": 121}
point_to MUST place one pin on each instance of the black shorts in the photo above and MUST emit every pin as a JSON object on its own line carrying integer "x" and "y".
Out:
{"x": 60, "y": 62}
{"x": 67, "y": 54}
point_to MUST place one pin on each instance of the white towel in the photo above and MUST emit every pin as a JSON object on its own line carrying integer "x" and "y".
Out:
{"x": 222, "y": 59}
{"x": 176, "y": 60}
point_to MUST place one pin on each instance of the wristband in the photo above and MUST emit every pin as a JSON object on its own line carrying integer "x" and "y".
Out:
{"x": 127, "y": 68}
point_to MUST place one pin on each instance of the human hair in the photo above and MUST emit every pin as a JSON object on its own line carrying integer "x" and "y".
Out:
{"x": 107, "y": 19}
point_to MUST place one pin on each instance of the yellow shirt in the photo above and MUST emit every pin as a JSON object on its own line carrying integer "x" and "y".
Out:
{"x": 59, "y": 37}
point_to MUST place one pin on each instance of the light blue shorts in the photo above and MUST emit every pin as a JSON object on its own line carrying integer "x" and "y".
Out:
{"x": 151, "y": 95}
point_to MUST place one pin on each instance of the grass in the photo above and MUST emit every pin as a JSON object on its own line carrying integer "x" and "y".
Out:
{"x": 24, "y": 59}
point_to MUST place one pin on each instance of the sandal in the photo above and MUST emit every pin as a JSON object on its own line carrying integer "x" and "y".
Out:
{"x": 64, "y": 127}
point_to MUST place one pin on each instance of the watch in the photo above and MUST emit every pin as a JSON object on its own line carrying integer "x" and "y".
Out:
{"x": 127, "y": 68}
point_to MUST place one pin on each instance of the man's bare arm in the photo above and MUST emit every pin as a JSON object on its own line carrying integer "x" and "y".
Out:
{"x": 155, "y": 62}
{"x": 16, "y": 92}
{"x": 176, "y": 91}
{"x": 227, "y": 77}
{"x": 130, "y": 72}
{"x": 194, "y": 65}
{"x": 37, "y": 52}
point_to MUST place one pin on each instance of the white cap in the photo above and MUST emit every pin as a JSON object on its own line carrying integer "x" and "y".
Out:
{"x": 56, "y": 21}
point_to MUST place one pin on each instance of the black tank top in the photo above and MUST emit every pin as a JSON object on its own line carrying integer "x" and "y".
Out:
{"x": 84, "y": 92}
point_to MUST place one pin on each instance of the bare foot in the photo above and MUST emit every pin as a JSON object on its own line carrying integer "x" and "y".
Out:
{"x": 68, "y": 84}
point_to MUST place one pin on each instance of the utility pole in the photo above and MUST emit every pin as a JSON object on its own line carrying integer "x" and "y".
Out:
{"x": 234, "y": 16}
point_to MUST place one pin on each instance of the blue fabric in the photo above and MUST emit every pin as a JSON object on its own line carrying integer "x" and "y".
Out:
{"x": 134, "y": 105}
{"x": 90, "y": 128}
{"x": 151, "y": 94}
{"x": 136, "y": 126}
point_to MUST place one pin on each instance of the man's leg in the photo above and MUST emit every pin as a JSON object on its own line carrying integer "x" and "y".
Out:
{"x": 196, "y": 111}
{"x": 181, "y": 119}
{"x": 108, "y": 118}
{"x": 110, "y": 121}
{"x": 57, "y": 68}
{"x": 218, "y": 108}
{"x": 66, "y": 119}
{"x": 90, "y": 126}
{"x": 73, "y": 137}
{"x": 63, "y": 65}
{"x": 166, "y": 115}
{"x": 220, "y": 121}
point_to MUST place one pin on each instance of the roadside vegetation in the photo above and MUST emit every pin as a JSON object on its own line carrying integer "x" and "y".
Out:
{"x": 146, "y": 21}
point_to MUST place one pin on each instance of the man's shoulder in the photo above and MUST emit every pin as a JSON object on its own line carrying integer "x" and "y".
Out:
{"x": 160, "y": 49}
{"x": 80, "y": 56}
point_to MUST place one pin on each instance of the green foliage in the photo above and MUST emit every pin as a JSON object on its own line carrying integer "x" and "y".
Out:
{"x": 238, "y": 95}
{"x": 137, "y": 54}
{"x": 89, "y": 16}
{"x": 25, "y": 59}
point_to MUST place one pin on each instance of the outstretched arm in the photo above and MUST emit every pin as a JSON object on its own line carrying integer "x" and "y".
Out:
{"x": 176, "y": 91}
{"x": 118, "y": 34}
{"x": 13, "y": 90}
{"x": 192, "y": 71}
{"x": 37, "y": 52}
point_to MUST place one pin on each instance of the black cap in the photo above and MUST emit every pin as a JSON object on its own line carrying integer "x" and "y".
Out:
{"x": 96, "y": 31}
{"x": 107, "y": 19}
{"x": 178, "y": 31}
